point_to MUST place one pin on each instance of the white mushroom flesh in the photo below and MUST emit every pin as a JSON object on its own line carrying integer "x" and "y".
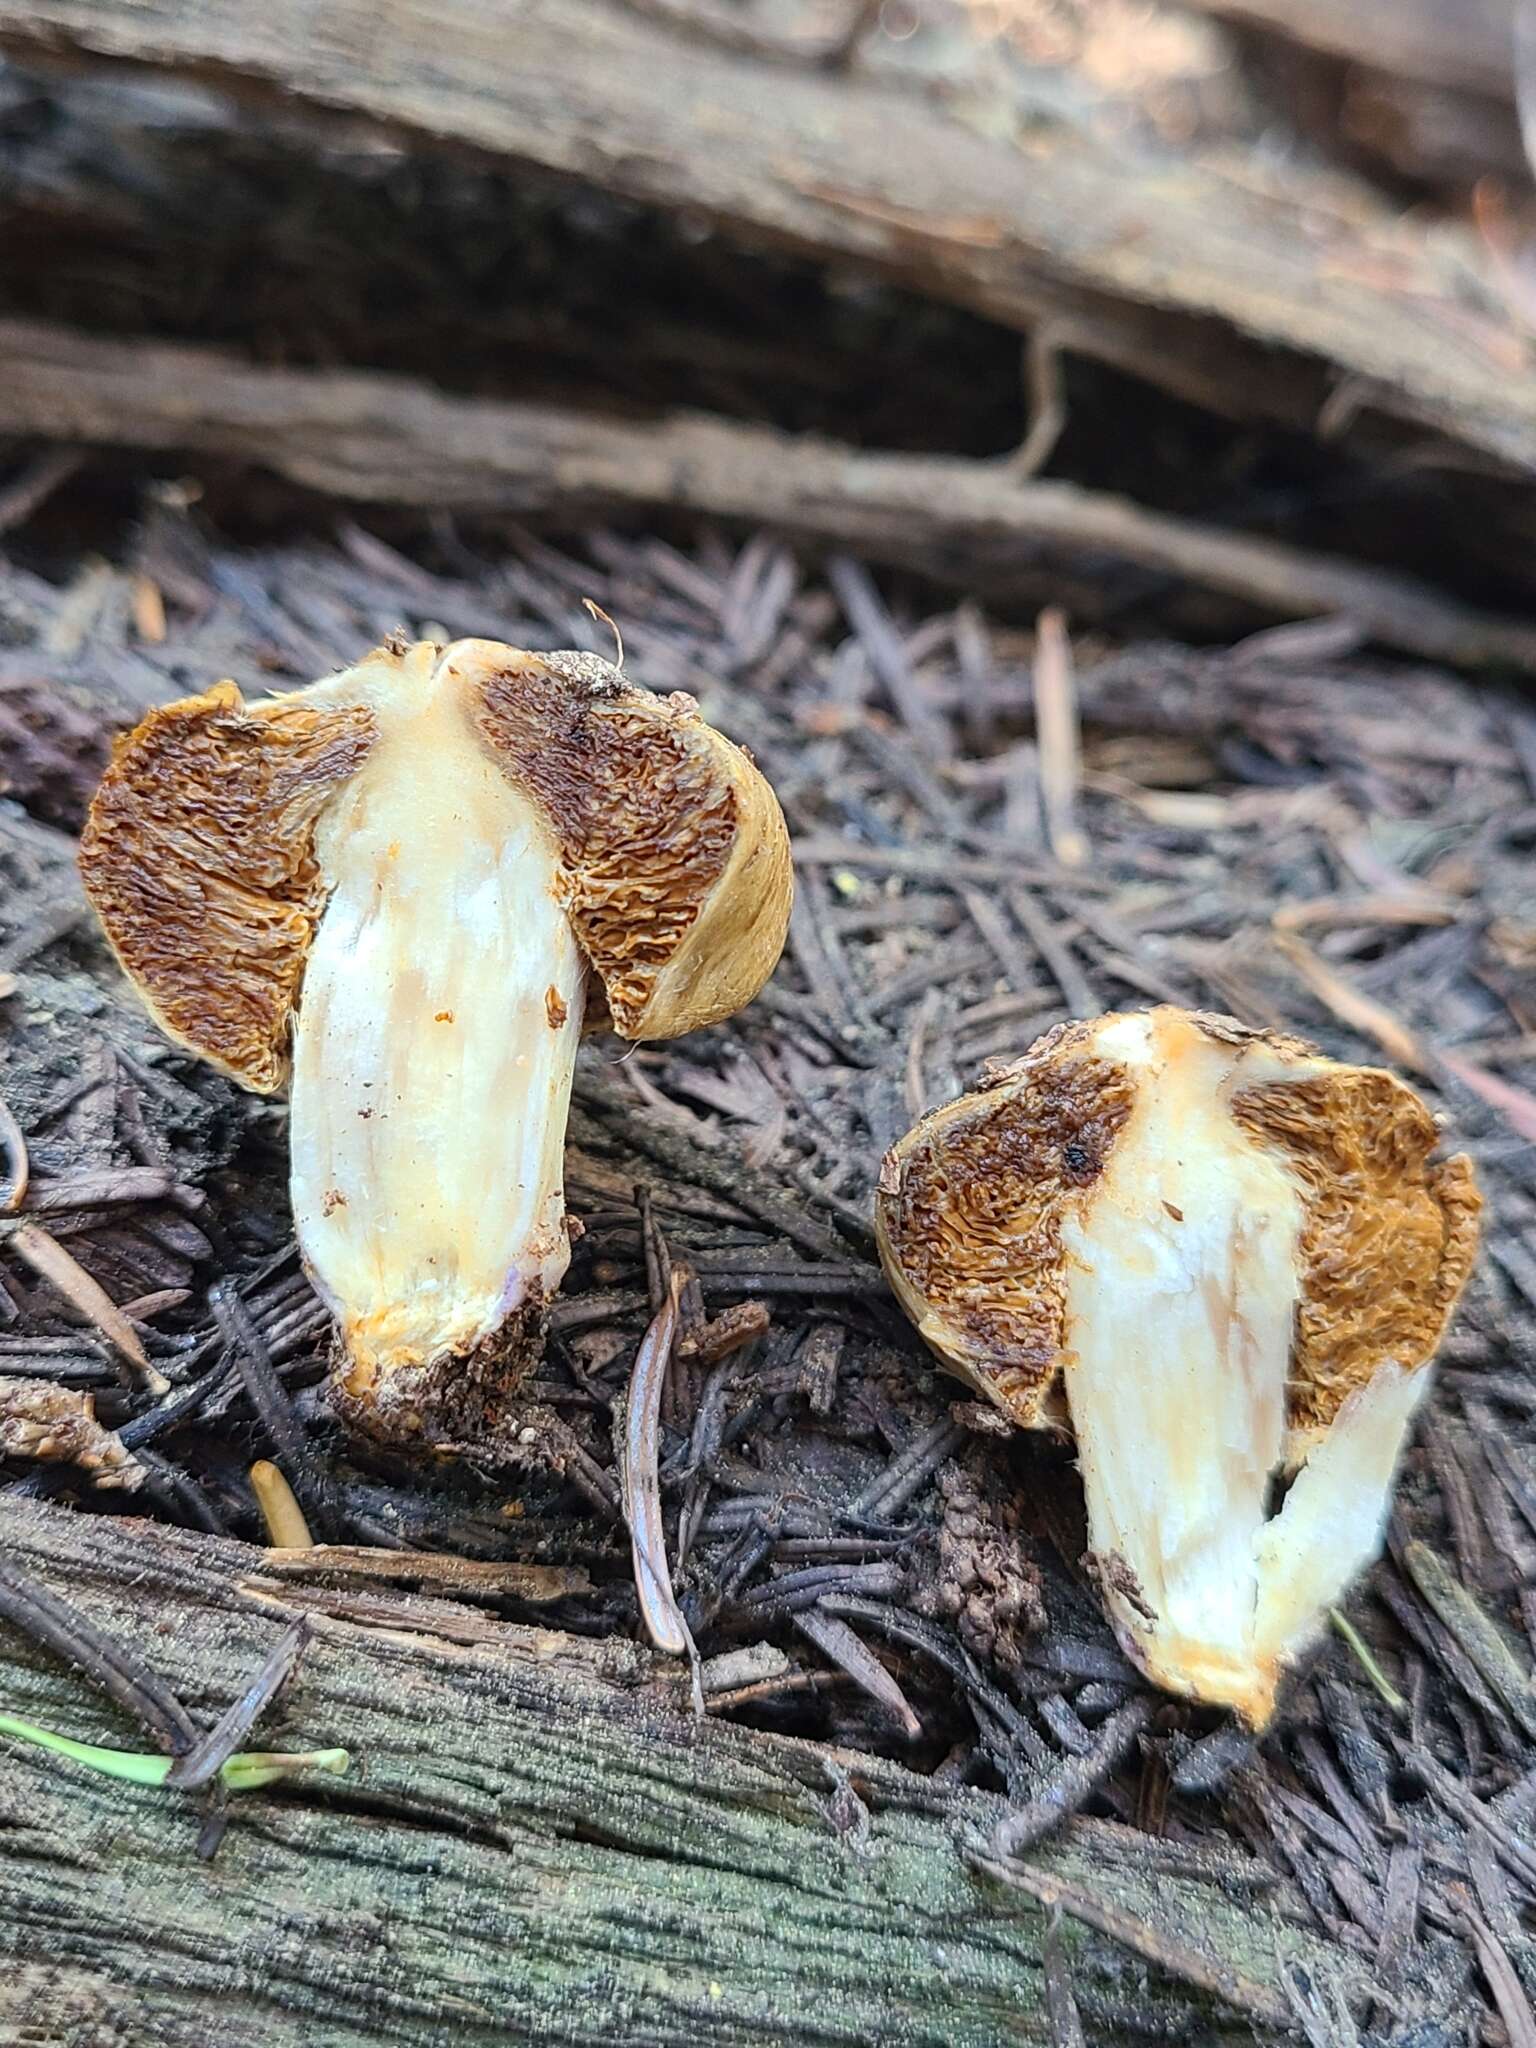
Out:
{"x": 435, "y": 1044}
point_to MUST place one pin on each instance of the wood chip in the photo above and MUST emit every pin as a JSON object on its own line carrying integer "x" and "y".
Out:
{"x": 470, "y": 1577}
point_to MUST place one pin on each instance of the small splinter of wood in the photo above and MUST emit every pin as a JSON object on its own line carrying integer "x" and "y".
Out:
{"x": 18, "y": 1171}
{"x": 659, "y": 1610}
{"x": 280, "y": 1510}
{"x": 1056, "y": 729}
{"x": 47, "y": 1257}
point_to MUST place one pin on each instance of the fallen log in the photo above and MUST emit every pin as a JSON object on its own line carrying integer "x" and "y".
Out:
{"x": 1454, "y": 43}
{"x": 1425, "y": 88}
{"x": 538, "y": 1843}
{"x": 376, "y": 439}
{"x": 1255, "y": 298}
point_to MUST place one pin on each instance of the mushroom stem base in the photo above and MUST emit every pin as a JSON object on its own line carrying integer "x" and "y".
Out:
{"x": 455, "y": 1399}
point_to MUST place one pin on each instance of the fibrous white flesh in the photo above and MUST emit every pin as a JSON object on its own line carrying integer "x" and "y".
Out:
{"x": 1182, "y": 1288}
{"x": 430, "y": 1084}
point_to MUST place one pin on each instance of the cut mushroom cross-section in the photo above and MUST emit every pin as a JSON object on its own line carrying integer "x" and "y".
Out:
{"x": 411, "y": 886}
{"x": 1215, "y": 1256}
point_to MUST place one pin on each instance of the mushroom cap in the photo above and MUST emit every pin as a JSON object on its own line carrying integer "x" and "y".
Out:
{"x": 668, "y": 849}
{"x": 972, "y": 1201}
{"x": 675, "y": 861}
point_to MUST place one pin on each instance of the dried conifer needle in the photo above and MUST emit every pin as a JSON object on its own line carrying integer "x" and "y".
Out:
{"x": 642, "y": 1490}
{"x": 47, "y": 1257}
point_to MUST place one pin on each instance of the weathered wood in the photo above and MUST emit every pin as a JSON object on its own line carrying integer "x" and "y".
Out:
{"x": 537, "y": 1843}
{"x": 1257, "y": 299}
{"x": 374, "y": 438}
{"x": 1426, "y": 88}
{"x": 1465, "y": 43}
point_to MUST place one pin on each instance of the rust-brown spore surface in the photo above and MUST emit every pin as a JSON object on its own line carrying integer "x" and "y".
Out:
{"x": 1389, "y": 1236}
{"x": 645, "y": 818}
{"x": 970, "y": 1216}
{"x": 198, "y": 857}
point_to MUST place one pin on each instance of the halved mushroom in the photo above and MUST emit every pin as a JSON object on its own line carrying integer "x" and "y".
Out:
{"x": 418, "y": 875}
{"x": 1214, "y": 1255}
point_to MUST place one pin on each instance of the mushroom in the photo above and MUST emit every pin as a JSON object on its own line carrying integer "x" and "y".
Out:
{"x": 1216, "y": 1257}
{"x": 410, "y": 886}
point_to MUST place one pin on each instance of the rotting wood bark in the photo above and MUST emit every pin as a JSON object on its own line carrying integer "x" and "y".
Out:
{"x": 373, "y": 438}
{"x": 1154, "y": 267}
{"x": 1466, "y": 43}
{"x": 537, "y": 1844}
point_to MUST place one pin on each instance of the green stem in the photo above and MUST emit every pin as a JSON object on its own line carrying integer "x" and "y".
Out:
{"x": 245, "y": 1772}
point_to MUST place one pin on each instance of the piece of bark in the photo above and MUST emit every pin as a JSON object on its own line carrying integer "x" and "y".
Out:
{"x": 1210, "y": 285}
{"x": 537, "y": 1844}
{"x": 372, "y": 438}
{"x": 1424, "y": 89}
{"x": 1463, "y": 43}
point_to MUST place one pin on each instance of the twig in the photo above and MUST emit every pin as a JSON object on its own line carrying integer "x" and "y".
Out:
{"x": 202, "y": 1763}
{"x": 1350, "y": 1005}
{"x": 835, "y": 1639}
{"x": 1045, "y": 397}
{"x": 1060, "y": 1999}
{"x": 1508, "y": 1992}
{"x": 1076, "y": 989}
{"x": 36, "y": 485}
{"x": 116, "y": 1669}
{"x": 1472, "y": 1628}
{"x": 265, "y": 1390}
{"x": 1025, "y": 1825}
{"x": 891, "y": 1489}
{"x": 427, "y": 449}
{"x": 46, "y": 1256}
{"x": 866, "y": 613}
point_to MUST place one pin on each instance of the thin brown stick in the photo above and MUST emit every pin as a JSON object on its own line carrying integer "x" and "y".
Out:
{"x": 118, "y": 1670}
{"x": 201, "y": 1764}
{"x": 1351, "y": 1005}
{"x": 385, "y": 440}
{"x": 47, "y": 1257}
